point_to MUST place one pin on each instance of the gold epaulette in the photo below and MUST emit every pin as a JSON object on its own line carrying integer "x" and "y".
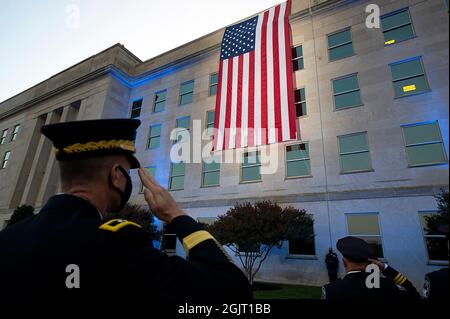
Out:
{"x": 198, "y": 237}
{"x": 114, "y": 225}
{"x": 399, "y": 279}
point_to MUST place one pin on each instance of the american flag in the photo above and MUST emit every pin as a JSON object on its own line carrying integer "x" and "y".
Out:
{"x": 255, "y": 94}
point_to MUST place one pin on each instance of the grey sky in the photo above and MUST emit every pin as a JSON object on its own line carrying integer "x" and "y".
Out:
{"x": 41, "y": 38}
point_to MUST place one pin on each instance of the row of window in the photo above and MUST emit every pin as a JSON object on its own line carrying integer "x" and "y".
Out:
{"x": 5, "y": 159}
{"x": 4, "y": 136}
{"x": 361, "y": 225}
{"x": 423, "y": 142}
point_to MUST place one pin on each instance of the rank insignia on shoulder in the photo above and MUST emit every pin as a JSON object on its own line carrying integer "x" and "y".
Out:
{"x": 114, "y": 225}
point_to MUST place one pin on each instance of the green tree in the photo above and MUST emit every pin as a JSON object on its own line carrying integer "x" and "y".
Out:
{"x": 251, "y": 231}
{"x": 20, "y": 213}
{"x": 139, "y": 215}
{"x": 436, "y": 223}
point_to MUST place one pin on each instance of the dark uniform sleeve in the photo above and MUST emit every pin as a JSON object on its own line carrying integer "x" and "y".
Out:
{"x": 402, "y": 282}
{"x": 208, "y": 273}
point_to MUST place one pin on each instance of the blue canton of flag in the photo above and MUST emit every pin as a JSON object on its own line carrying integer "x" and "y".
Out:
{"x": 239, "y": 39}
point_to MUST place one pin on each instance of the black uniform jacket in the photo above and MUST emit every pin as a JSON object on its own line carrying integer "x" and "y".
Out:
{"x": 394, "y": 287}
{"x": 116, "y": 262}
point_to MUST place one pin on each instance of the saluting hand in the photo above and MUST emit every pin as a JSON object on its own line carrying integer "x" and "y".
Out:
{"x": 159, "y": 199}
{"x": 380, "y": 264}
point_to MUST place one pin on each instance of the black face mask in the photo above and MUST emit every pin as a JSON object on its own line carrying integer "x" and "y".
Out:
{"x": 124, "y": 195}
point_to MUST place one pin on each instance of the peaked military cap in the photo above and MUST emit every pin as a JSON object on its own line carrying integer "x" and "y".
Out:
{"x": 93, "y": 138}
{"x": 354, "y": 249}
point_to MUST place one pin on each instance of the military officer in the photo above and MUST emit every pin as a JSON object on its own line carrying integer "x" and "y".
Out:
{"x": 68, "y": 251}
{"x": 356, "y": 253}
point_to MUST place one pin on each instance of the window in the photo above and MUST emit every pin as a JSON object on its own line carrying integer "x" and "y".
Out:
{"x": 354, "y": 153}
{"x": 297, "y": 58}
{"x": 346, "y": 92}
{"x": 340, "y": 45}
{"x": 211, "y": 174}
{"x": 152, "y": 171}
{"x": 4, "y": 134}
{"x": 136, "y": 109}
{"x": 366, "y": 226}
{"x": 300, "y": 102}
{"x": 186, "y": 92}
{"x": 6, "y": 159}
{"x": 435, "y": 240}
{"x": 251, "y": 167}
{"x": 210, "y": 122}
{"x": 297, "y": 160}
{"x": 397, "y": 27}
{"x": 409, "y": 77}
{"x": 213, "y": 80}
{"x": 302, "y": 246}
{"x": 176, "y": 181}
{"x": 184, "y": 123}
{"x": 154, "y": 136}
{"x": 15, "y": 132}
{"x": 169, "y": 240}
{"x": 424, "y": 144}
{"x": 160, "y": 101}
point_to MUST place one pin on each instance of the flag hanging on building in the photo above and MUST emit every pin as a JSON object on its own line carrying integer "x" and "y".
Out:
{"x": 255, "y": 93}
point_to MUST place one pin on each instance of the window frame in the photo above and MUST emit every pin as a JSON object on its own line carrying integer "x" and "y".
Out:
{"x": 4, "y": 136}
{"x": 340, "y": 45}
{"x": 424, "y": 143}
{"x": 335, "y": 109}
{"x": 300, "y": 102}
{"x": 424, "y": 74}
{"x": 286, "y": 177}
{"x": 424, "y": 237}
{"x": 213, "y": 84}
{"x": 362, "y": 235}
{"x": 211, "y": 171}
{"x": 154, "y": 101}
{"x": 172, "y": 176}
{"x": 178, "y": 127}
{"x": 5, "y": 160}
{"x": 302, "y": 57}
{"x": 15, "y": 132}
{"x": 141, "y": 188}
{"x": 241, "y": 170}
{"x": 150, "y": 137}
{"x": 304, "y": 256}
{"x": 357, "y": 152}
{"x": 386, "y": 44}
{"x": 140, "y": 108}
{"x": 183, "y": 94}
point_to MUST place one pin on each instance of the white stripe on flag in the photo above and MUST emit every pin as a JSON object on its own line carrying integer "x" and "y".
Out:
{"x": 283, "y": 76}
{"x": 244, "y": 118}
{"x": 234, "y": 95}
{"x": 257, "y": 113}
{"x": 270, "y": 79}
{"x": 223, "y": 105}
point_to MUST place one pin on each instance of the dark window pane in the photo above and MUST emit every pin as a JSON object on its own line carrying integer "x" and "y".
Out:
{"x": 211, "y": 178}
{"x": 213, "y": 90}
{"x": 298, "y": 168}
{"x": 159, "y": 107}
{"x": 411, "y": 86}
{"x": 137, "y": 104}
{"x": 211, "y": 166}
{"x": 347, "y": 100}
{"x": 160, "y": 96}
{"x": 298, "y": 64}
{"x": 299, "y": 151}
{"x": 252, "y": 158}
{"x": 186, "y": 98}
{"x": 184, "y": 123}
{"x": 213, "y": 78}
{"x": 341, "y": 52}
{"x": 355, "y": 162}
{"x": 154, "y": 142}
{"x": 187, "y": 87}
{"x": 177, "y": 183}
{"x": 210, "y": 117}
{"x": 363, "y": 224}
{"x": 178, "y": 169}
{"x": 302, "y": 247}
{"x": 251, "y": 174}
{"x": 297, "y": 52}
{"x": 437, "y": 248}
{"x": 426, "y": 154}
{"x": 422, "y": 133}
{"x": 300, "y": 109}
{"x": 348, "y": 83}
{"x": 353, "y": 143}
{"x": 135, "y": 113}
{"x": 398, "y": 35}
{"x": 155, "y": 130}
{"x": 339, "y": 38}
{"x": 406, "y": 69}
{"x": 395, "y": 20}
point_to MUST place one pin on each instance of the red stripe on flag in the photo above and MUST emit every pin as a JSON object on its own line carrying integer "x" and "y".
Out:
{"x": 239, "y": 101}
{"x": 264, "y": 78}
{"x": 276, "y": 76}
{"x": 289, "y": 71}
{"x": 217, "y": 111}
{"x": 228, "y": 104}
{"x": 251, "y": 100}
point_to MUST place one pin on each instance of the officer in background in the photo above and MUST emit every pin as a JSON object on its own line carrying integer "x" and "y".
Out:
{"x": 356, "y": 253}
{"x": 67, "y": 251}
{"x": 332, "y": 262}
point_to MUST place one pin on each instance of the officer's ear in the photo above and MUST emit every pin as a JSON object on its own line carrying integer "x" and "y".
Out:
{"x": 114, "y": 173}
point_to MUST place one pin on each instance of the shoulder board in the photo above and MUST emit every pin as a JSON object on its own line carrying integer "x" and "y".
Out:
{"x": 116, "y": 224}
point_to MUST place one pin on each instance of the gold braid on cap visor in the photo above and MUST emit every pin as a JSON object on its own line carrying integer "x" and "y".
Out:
{"x": 127, "y": 145}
